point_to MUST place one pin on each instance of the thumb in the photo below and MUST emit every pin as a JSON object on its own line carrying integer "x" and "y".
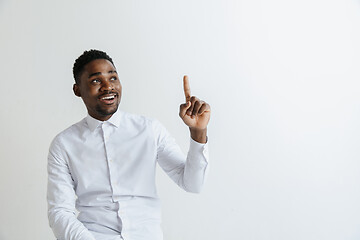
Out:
{"x": 183, "y": 108}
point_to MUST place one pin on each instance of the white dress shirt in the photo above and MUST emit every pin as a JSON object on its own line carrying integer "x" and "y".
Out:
{"x": 106, "y": 170}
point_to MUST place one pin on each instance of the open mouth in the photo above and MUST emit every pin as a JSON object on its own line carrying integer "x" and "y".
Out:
{"x": 108, "y": 98}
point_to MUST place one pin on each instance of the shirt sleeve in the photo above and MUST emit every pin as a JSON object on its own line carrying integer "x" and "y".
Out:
{"x": 189, "y": 172}
{"x": 61, "y": 198}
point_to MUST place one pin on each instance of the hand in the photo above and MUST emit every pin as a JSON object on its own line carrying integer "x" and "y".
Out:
{"x": 195, "y": 113}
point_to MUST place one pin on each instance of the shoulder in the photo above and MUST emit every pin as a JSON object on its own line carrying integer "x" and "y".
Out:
{"x": 140, "y": 122}
{"x": 135, "y": 119}
{"x": 61, "y": 138}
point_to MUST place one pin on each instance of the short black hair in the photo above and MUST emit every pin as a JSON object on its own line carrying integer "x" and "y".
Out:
{"x": 85, "y": 58}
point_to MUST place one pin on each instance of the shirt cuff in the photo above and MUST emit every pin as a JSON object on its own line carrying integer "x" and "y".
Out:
{"x": 197, "y": 149}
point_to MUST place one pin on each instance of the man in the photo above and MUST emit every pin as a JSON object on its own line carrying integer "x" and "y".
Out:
{"x": 104, "y": 165}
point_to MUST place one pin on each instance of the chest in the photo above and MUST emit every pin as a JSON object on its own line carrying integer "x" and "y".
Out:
{"x": 95, "y": 156}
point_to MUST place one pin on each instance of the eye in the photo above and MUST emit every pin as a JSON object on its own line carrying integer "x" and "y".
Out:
{"x": 95, "y": 80}
{"x": 113, "y": 78}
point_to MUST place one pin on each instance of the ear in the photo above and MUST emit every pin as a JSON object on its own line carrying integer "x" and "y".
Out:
{"x": 76, "y": 90}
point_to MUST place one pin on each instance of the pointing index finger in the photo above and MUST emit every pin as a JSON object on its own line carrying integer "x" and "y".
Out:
{"x": 187, "y": 89}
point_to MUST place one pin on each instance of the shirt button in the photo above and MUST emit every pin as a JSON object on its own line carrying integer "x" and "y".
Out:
{"x": 111, "y": 160}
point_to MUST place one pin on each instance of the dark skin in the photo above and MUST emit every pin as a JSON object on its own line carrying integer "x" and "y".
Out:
{"x": 100, "y": 89}
{"x": 195, "y": 114}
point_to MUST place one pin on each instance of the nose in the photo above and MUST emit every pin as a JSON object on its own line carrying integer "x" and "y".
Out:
{"x": 107, "y": 86}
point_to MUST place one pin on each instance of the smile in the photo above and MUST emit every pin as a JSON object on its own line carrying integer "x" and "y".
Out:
{"x": 108, "y": 98}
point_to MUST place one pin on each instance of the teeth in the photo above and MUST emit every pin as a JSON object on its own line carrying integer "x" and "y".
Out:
{"x": 107, "y": 98}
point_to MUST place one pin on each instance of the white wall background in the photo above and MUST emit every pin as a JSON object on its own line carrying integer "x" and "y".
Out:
{"x": 283, "y": 80}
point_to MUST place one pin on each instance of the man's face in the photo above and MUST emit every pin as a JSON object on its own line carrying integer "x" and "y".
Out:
{"x": 100, "y": 89}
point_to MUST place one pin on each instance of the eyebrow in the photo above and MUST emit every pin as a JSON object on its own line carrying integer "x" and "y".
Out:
{"x": 99, "y": 73}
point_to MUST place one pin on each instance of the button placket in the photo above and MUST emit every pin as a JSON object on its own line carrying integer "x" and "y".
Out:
{"x": 113, "y": 182}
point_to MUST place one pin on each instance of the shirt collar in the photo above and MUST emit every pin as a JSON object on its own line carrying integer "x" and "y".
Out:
{"x": 94, "y": 123}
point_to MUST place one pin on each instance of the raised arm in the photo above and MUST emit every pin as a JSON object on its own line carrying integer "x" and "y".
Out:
{"x": 187, "y": 171}
{"x": 195, "y": 113}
